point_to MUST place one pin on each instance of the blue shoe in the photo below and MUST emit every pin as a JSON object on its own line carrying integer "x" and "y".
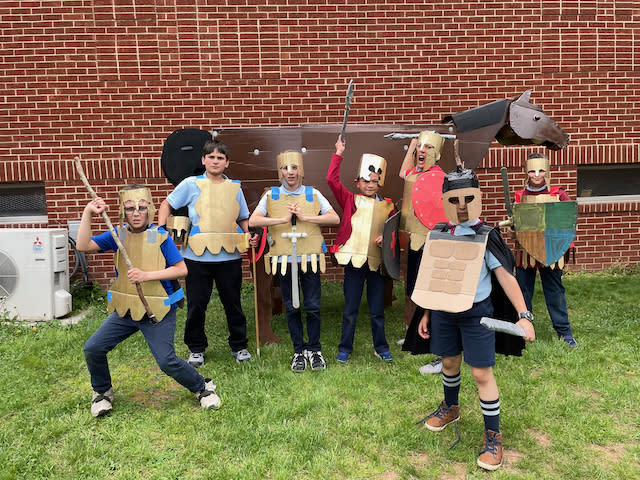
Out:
{"x": 342, "y": 357}
{"x": 386, "y": 356}
{"x": 569, "y": 340}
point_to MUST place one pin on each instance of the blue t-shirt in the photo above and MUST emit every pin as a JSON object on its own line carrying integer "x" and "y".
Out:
{"x": 187, "y": 194}
{"x": 169, "y": 250}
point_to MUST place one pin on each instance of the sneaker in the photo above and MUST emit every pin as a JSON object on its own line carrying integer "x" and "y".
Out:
{"x": 442, "y": 417}
{"x": 432, "y": 368}
{"x": 208, "y": 397}
{"x": 491, "y": 454}
{"x": 101, "y": 403}
{"x": 299, "y": 363}
{"x": 241, "y": 355}
{"x": 316, "y": 360}
{"x": 569, "y": 340}
{"x": 386, "y": 356}
{"x": 196, "y": 359}
{"x": 342, "y": 357}
{"x": 400, "y": 342}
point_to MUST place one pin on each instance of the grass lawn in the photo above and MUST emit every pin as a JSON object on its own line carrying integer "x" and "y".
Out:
{"x": 564, "y": 414}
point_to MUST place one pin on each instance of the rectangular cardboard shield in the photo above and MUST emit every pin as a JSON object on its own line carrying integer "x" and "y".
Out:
{"x": 545, "y": 230}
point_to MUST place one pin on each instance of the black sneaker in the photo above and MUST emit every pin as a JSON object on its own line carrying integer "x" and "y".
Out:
{"x": 316, "y": 360}
{"x": 299, "y": 363}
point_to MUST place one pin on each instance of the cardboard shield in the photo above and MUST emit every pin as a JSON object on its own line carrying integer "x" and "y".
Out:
{"x": 427, "y": 198}
{"x": 545, "y": 230}
{"x": 391, "y": 246}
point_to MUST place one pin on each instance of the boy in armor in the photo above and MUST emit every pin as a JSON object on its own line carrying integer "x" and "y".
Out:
{"x": 213, "y": 249}
{"x": 536, "y": 190}
{"x": 421, "y": 158}
{"x": 159, "y": 264}
{"x": 357, "y": 247}
{"x": 293, "y": 214}
{"x": 455, "y": 286}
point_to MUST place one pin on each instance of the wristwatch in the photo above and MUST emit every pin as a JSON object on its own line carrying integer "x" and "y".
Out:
{"x": 526, "y": 315}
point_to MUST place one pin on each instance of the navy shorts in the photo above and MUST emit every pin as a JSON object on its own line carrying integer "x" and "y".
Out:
{"x": 452, "y": 333}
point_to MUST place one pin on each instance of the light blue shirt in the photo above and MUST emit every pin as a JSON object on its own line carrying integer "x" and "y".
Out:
{"x": 325, "y": 206}
{"x": 490, "y": 262}
{"x": 187, "y": 194}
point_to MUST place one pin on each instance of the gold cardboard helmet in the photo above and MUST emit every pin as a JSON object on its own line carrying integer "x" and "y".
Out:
{"x": 436, "y": 141}
{"x": 536, "y": 164}
{"x": 461, "y": 187}
{"x": 288, "y": 159}
{"x": 135, "y": 195}
{"x": 370, "y": 163}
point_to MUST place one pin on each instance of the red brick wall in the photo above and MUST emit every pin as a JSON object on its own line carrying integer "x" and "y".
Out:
{"x": 109, "y": 80}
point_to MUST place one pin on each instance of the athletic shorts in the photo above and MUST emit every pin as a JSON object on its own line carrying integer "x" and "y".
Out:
{"x": 452, "y": 333}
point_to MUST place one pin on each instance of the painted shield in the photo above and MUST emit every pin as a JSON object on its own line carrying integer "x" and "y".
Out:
{"x": 545, "y": 230}
{"x": 427, "y": 198}
{"x": 391, "y": 246}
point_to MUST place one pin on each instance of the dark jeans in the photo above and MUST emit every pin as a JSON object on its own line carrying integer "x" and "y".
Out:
{"x": 309, "y": 284}
{"x": 199, "y": 284}
{"x": 553, "y": 294}
{"x": 159, "y": 337}
{"x": 354, "y": 280}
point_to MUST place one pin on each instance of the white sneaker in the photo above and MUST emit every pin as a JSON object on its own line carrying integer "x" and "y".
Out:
{"x": 196, "y": 359}
{"x": 400, "y": 342}
{"x": 208, "y": 397}
{"x": 101, "y": 403}
{"x": 432, "y": 368}
{"x": 241, "y": 355}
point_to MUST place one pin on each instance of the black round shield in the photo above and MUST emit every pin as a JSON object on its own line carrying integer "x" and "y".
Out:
{"x": 391, "y": 246}
{"x": 182, "y": 154}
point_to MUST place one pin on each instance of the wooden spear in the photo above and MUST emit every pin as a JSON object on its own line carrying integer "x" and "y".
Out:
{"x": 114, "y": 234}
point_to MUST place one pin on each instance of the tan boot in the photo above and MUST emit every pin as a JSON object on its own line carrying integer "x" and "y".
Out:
{"x": 101, "y": 403}
{"x": 442, "y": 417}
{"x": 491, "y": 454}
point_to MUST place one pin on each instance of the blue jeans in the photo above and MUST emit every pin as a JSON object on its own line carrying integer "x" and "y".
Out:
{"x": 159, "y": 337}
{"x": 309, "y": 284}
{"x": 553, "y": 289}
{"x": 354, "y": 280}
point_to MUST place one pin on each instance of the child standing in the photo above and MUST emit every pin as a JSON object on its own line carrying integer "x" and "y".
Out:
{"x": 159, "y": 262}
{"x": 357, "y": 247}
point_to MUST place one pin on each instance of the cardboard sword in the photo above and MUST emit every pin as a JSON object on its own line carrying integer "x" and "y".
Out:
{"x": 347, "y": 106}
{"x": 293, "y": 235}
{"x": 502, "y": 326}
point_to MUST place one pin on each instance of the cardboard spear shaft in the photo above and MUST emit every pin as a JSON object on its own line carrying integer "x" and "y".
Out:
{"x": 114, "y": 234}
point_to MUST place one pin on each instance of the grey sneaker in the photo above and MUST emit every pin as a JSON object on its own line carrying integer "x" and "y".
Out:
{"x": 316, "y": 360}
{"x": 299, "y": 363}
{"x": 196, "y": 359}
{"x": 208, "y": 397}
{"x": 101, "y": 403}
{"x": 432, "y": 368}
{"x": 241, "y": 355}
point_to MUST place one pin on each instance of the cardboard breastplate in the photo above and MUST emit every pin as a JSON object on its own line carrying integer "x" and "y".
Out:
{"x": 367, "y": 224}
{"x": 218, "y": 210}
{"x": 308, "y": 248}
{"x": 449, "y": 271}
{"x": 144, "y": 252}
{"x": 408, "y": 221}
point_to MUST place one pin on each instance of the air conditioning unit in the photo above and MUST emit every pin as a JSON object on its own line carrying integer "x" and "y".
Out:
{"x": 34, "y": 273}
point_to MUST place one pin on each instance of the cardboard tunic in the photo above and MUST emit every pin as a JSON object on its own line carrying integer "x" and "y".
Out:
{"x": 309, "y": 248}
{"x": 449, "y": 271}
{"x": 408, "y": 220}
{"x": 367, "y": 224}
{"x": 218, "y": 210}
{"x": 144, "y": 252}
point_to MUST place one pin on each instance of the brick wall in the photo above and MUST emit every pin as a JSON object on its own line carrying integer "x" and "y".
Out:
{"x": 109, "y": 80}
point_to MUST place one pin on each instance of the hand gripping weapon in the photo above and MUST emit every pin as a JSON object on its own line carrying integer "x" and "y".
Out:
{"x": 347, "y": 106}
{"x": 294, "y": 235}
{"x": 121, "y": 249}
{"x": 502, "y": 326}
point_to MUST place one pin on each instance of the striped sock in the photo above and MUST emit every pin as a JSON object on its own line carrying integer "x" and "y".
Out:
{"x": 451, "y": 386}
{"x": 491, "y": 414}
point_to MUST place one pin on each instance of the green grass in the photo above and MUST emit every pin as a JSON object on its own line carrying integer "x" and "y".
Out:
{"x": 565, "y": 414}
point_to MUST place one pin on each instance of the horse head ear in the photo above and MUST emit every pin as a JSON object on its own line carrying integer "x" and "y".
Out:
{"x": 525, "y": 97}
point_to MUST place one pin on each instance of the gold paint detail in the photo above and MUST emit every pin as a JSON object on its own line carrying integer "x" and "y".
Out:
{"x": 408, "y": 220}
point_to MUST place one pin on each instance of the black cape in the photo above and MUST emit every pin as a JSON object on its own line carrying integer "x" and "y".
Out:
{"x": 502, "y": 308}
